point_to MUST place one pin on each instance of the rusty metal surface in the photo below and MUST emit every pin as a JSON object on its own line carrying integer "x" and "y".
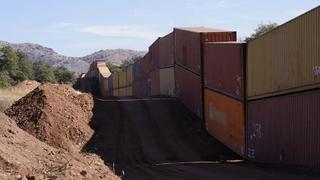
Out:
{"x": 166, "y": 56}
{"x": 188, "y": 46}
{"x": 285, "y": 129}
{"x": 188, "y": 90}
{"x": 224, "y": 119}
{"x": 224, "y": 68}
{"x": 154, "y": 55}
{"x": 155, "y": 82}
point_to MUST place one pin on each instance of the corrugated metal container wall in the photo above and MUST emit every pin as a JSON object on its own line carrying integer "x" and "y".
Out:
{"x": 115, "y": 80}
{"x": 122, "y": 79}
{"x": 135, "y": 88}
{"x": 285, "y": 129}
{"x": 188, "y": 46}
{"x": 110, "y": 85}
{"x": 286, "y": 59}
{"x": 129, "y": 75}
{"x": 144, "y": 67}
{"x": 154, "y": 51}
{"x": 188, "y": 50}
{"x": 188, "y": 89}
{"x": 136, "y": 68}
{"x": 166, "y": 57}
{"x": 223, "y": 68}
{"x": 141, "y": 89}
{"x": 129, "y": 91}
{"x": 167, "y": 81}
{"x": 155, "y": 82}
{"x": 103, "y": 84}
{"x": 116, "y": 92}
{"x": 121, "y": 92}
{"x": 224, "y": 118}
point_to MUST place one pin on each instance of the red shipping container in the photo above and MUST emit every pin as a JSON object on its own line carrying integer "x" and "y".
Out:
{"x": 285, "y": 129}
{"x": 154, "y": 51}
{"x": 166, "y": 56}
{"x": 224, "y": 68}
{"x": 145, "y": 66}
{"x": 188, "y": 89}
{"x": 155, "y": 82}
{"x": 188, "y": 43}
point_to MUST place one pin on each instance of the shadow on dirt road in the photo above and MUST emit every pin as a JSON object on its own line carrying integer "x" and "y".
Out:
{"x": 160, "y": 139}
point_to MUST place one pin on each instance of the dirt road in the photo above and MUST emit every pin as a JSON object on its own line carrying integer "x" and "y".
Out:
{"x": 160, "y": 139}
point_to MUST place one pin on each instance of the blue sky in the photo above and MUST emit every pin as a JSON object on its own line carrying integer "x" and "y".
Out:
{"x": 80, "y": 27}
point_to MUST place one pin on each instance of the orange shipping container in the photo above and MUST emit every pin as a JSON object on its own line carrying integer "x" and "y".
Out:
{"x": 224, "y": 118}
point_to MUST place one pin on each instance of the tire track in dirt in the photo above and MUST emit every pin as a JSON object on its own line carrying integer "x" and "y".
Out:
{"x": 161, "y": 139}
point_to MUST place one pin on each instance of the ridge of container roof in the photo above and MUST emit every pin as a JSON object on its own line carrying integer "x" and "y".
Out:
{"x": 202, "y": 29}
{"x": 226, "y": 42}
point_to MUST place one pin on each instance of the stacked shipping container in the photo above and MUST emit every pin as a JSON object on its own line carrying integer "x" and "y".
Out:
{"x": 259, "y": 99}
{"x": 224, "y": 93}
{"x": 283, "y": 114}
{"x": 188, "y": 48}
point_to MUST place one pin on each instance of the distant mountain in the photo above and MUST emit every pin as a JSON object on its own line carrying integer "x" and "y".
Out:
{"x": 77, "y": 64}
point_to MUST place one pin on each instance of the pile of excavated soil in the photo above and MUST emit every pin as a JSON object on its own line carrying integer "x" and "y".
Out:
{"x": 22, "y": 156}
{"x": 55, "y": 114}
{"x": 25, "y": 86}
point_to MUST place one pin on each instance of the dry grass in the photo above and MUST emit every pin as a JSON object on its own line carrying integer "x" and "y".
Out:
{"x": 8, "y": 97}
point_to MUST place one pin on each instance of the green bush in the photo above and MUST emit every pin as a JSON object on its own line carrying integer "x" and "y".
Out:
{"x": 16, "y": 67}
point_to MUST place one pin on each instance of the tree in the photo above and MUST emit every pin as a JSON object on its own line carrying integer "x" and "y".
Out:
{"x": 261, "y": 30}
{"x": 63, "y": 75}
{"x": 43, "y": 72}
{"x": 24, "y": 65}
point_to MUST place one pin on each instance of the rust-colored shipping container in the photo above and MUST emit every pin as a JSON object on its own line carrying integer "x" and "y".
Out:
{"x": 188, "y": 89}
{"x": 224, "y": 117}
{"x": 285, "y": 129}
{"x": 145, "y": 67}
{"x": 155, "y": 82}
{"x": 188, "y": 43}
{"x": 166, "y": 56}
{"x": 154, "y": 53}
{"x": 224, "y": 68}
{"x": 141, "y": 89}
{"x": 167, "y": 81}
{"x": 286, "y": 59}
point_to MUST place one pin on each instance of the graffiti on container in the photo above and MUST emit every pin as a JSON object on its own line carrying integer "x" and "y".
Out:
{"x": 217, "y": 115}
{"x": 316, "y": 71}
{"x": 256, "y": 133}
{"x": 251, "y": 153}
{"x": 238, "y": 79}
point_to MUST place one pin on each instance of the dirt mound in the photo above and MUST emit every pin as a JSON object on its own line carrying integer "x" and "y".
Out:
{"x": 23, "y": 155}
{"x": 55, "y": 114}
{"x": 25, "y": 86}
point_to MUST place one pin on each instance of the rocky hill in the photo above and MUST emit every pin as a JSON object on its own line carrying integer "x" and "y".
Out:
{"x": 77, "y": 64}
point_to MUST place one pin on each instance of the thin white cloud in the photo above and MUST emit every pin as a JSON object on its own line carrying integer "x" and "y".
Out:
{"x": 122, "y": 31}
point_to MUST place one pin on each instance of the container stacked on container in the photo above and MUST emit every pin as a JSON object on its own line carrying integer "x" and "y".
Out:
{"x": 283, "y": 73}
{"x": 141, "y": 77}
{"x": 188, "y": 51}
{"x": 162, "y": 77}
{"x": 224, "y": 98}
